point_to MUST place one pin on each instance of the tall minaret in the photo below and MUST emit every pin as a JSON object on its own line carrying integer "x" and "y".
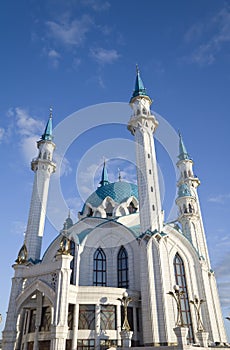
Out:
{"x": 188, "y": 203}
{"x": 43, "y": 167}
{"x": 142, "y": 125}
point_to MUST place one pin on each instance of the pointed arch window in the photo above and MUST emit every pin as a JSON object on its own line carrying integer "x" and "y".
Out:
{"x": 132, "y": 208}
{"x": 99, "y": 268}
{"x": 185, "y": 307}
{"x": 122, "y": 268}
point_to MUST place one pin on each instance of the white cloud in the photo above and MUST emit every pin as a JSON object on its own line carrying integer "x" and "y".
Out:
{"x": 63, "y": 165}
{"x": 70, "y": 32}
{"x": 53, "y": 54}
{"x": 27, "y": 126}
{"x": 2, "y": 133}
{"x": 30, "y": 130}
{"x": 211, "y": 35}
{"x": 104, "y": 56}
{"x": 28, "y": 147}
{"x": 87, "y": 178}
{"x": 97, "y": 5}
{"x": 223, "y": 279}
{"x": 76, "y": 62}
{"x": 18, "y": 227}
{"x": 221, "y": 198}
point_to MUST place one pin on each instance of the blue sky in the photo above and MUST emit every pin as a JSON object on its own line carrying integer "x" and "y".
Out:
{"x": 76, "y": 54}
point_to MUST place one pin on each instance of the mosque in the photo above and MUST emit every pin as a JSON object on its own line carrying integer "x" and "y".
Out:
{"x": 120, "y": 276}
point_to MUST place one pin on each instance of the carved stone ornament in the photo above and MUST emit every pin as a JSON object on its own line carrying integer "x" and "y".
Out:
{"x": 64, "y": 246}
{"x": 22, "y": 255}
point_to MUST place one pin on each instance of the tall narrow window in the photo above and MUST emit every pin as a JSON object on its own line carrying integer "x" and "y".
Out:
{"x": 99, "y": 268}
{"x": 181, "y": 282}
{"x": 122, "y": 268}
{"x": 108, "y": 317}
{"x": 86, "y": 316}
{"x": 72, "y": 252}
{"x": 45, "y": 319}
{"x": 32, "y": 321}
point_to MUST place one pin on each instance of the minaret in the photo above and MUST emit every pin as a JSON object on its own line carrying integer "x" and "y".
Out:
{"x": 43, "y": 167}
{"x": 188, "y": 203}
{"x": 142, "y": 125}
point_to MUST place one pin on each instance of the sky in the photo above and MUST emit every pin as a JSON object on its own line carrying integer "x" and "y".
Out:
{"x": 80, "y": 58}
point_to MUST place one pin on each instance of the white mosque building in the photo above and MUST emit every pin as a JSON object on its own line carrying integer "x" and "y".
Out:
{"x": 120, "y": 276}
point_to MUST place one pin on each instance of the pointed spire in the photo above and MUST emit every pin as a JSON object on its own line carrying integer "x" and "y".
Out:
{"x": 47, "y": 136}
{"x": 183, "y": 154}
{"x": 140, "y": 90}
{"x": 68, "y": 222}
{"x": 104, "y": 176}
{"x": 119, "y": 174}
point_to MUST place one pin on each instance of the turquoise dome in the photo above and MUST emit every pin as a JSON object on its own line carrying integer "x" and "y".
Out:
{"x": 118, "y": 191}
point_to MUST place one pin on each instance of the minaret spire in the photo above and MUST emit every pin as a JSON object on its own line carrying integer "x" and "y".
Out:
{"x": 48, "y": 129}
{"x": 139, "y": 90}
{"x": 104, "y": 176}
{"x": 142, "y": 125}
{"x": 43, "y": 167}
{"x": 183, "y": 154}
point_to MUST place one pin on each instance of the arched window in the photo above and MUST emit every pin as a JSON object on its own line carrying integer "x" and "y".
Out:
{"x": 122, "y": 268}
{"x": 109, "y": 209}
{"x": 99, "y": 268}
{"x": 131, "y": 208}
{"x": 72, "y": 263}
{"x": 181, "y": 282}
{"x": 184, "y": 208}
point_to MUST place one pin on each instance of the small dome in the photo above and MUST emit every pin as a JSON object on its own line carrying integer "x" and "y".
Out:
{"x": 183, "y": 191}
{"x": 118, "y": 191}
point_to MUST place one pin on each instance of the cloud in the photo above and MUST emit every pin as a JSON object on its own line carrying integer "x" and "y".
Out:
{"x": 67, "y": 32}
{"x": 223, "y": 279}
{"x": 54, "y": 57}
{"x": 62, "y": 164}
{"x": 18, "y": 227}
{"x": 97, "y": 5}
{"x": 104, "y": 56}
{"x": 2, "y": 133}
{"x": 210, "y": 36}
{"x": 27, "y": 125}
{"x": 222, "y": 267}
{"x": 29, "y": 129}
{"x": 221, "y": 198}
{"x": 223, "y": 288}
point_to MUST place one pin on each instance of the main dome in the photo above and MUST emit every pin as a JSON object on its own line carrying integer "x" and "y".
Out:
{"x": 118, "y": 191}
{"x": 111, "y": 200}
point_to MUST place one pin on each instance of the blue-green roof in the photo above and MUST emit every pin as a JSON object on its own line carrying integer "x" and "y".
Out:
{"x": 118, "y": 191}
{"x": 47, "y": 136}
{"x": 140, "y": 90}
{"x": 183, "y": 154}
{"x": 183, "y": 190}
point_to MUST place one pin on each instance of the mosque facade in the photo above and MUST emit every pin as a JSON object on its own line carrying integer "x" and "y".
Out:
{"x": 120, "y": 276}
